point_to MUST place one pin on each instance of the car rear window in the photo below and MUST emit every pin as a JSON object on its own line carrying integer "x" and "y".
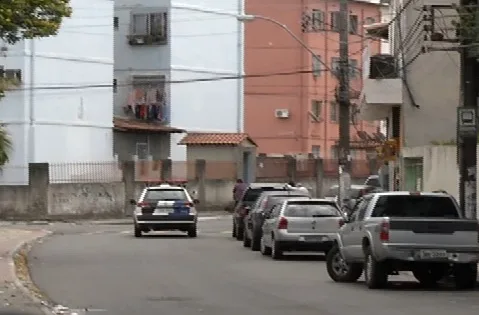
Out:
{"x": 153, "y": 195}
{"x": 415, "y": 207}
{"x": 251, "y": 195}
{"x": 311, "y": 209}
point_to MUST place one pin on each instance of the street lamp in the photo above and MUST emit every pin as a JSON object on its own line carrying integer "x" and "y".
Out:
{"x": 251, "y": 17}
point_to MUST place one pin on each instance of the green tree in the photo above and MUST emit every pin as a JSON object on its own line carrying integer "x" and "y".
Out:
{"x": 26, "y": 19}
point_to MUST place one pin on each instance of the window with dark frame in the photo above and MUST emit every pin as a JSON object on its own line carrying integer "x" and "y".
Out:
{"x": 333, "y": 111}
{"x": 316, "y": 109}
{"x": 317, "y": 20}
{"x": 316, "y": 151}
{"x": 353, "y": 24}
{"x": 316, "y": 66}
{"x": 116, "y": 23}
{"x": 353, "y": 67}
{"x": 335, "y": 21}
{"x": 150, "y": 24}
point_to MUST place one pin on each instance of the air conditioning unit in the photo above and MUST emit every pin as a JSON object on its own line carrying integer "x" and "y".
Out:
{"x": 137, "y": 40}
{"x": 281, "y": 113}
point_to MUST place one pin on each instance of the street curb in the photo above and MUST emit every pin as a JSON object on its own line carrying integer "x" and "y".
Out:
{"x": 45, "y": 308}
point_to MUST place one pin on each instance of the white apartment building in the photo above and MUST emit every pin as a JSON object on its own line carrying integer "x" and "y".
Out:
{"x": 62, "y": 110}
{"x": 177, "y": 65}
{"x": 416, "y": 87}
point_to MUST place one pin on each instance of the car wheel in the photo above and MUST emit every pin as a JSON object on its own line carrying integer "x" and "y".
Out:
{"x": 137, "y": 231}
{"x": 339, "y": 270}
{"x": 375, "y": 273}
{"x": 246, "y": 240}
{"x": 233, "y": 234}
{"x": 193, "y": 231}
{"x": 276, "y": 252}
{"x": 239, "y": 233}
{"x": 265, "y": 250}
{"x": 255, "y": 241}
{"x": 465, "y": 276}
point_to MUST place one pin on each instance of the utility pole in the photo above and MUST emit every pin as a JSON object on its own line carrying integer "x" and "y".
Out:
{"x": 467, "y": 112}
{"x": 343, "y": 101}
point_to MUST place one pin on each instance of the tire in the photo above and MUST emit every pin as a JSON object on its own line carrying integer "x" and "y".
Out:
{"x": 137, "y": 231}
{"x": 465, "y": 276}
{"x": 429, "y": 277}
{"x": 255, "y": 241}
{"x": 375, "y": 273}
{"x": 193, "y": 231}
{"x": 233, "y": 232}
{"x": 339, "y": 270}
{"x": 246, "y": 240}
{"x": 276, "y": 252}
{"x": 265, "y": 250}
{"x": 239, "y": 233}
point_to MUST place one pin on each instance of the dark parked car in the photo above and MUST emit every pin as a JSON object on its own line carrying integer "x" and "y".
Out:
{"x": 255, "y": 218}
{"x": 250, "y": 196}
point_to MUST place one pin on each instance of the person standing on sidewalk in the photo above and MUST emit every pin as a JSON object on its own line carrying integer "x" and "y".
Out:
{"x": 238, "y": 190}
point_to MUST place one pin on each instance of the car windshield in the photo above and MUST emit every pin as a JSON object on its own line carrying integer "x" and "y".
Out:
{"x": 311, "y": 209}
{"x": 154, "y": 195}
{"x": 415, "y": 207}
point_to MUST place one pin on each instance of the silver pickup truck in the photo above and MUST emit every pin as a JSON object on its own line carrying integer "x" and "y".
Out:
{"x": 401, "y": 231}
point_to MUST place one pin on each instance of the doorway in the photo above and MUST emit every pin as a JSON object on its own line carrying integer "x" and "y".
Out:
{"x": 246, "y": 166}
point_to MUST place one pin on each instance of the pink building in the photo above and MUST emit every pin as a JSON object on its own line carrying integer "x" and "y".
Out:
{"x": 292, "y": 108}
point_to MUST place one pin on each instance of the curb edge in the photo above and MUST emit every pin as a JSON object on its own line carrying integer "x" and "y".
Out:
{"x": 16, "y": 280}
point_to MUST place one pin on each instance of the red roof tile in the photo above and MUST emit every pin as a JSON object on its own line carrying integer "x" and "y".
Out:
{"x": 215, "y": 139}
{"x": 125, "y": 124}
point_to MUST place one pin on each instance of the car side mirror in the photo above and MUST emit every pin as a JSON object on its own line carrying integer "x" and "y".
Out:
{"x": 196, "y": 201}
{"x": 133, "y": 202}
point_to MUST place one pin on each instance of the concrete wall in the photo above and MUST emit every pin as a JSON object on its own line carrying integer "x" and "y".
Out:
{"x": 42, "y": 199}
{"x": 440, "y": 170}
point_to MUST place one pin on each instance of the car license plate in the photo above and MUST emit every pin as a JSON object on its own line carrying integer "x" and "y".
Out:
{"x": 316, "y": 238}
{"x": 432, "y": 254}
{"x": 164, "y": 211}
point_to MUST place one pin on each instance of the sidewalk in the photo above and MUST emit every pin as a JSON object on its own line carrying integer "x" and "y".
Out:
{"x": 12, "y": 297}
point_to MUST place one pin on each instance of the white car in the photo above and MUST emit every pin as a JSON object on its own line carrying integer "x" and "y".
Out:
{"x": 165, "y": 208}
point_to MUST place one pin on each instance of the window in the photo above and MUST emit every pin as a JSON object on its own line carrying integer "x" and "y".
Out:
{"x": 353, "y": 24}
{"x": 316, "y": 109}
{"x": 317, "y": 20}
{"x": 115, "y": 86}
{"x": 334, "y": 152}
{"x": 154, "y": 195}
{"x": 335, "y": 20}
{"x": 152, "y": 24}
{"x": 316, "y": 151}
{"x": 369, "y": 20}
{"x": 311, "y": 209}
{"x": 353, "y": 69}
{"x": 116, "y": 23}
{"x": 333, "y": 111}
{"x": 142, "y": 151}
{"x": 415, "y": 207}
{"x": 316, "y": 66}
{"x": 335, "y": 63}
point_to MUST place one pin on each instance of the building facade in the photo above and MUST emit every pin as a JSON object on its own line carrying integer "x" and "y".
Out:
{"x": 291, "y": 106}
{"x": 416, "y": 86}
{"x": 178, "y": 68}
{"x": 62, "y": 109}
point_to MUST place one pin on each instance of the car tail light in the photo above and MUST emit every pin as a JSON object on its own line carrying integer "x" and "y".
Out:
{"x": 384, "y": 232}
{"x": 341, "y": 222}
{"x": 188, "y": 204}
{"x": 283, "y": 223}
{"x": 142, "y": 204}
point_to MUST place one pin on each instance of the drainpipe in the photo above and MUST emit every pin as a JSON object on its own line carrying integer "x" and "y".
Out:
{"x": 31, "y": 90}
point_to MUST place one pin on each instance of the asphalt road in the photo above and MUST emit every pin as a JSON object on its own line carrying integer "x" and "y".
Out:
{"x": 106, "y": 269}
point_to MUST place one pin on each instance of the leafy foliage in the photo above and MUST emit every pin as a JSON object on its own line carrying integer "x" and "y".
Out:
{"x": 5, "y": 146}
{"x": 25, "y": 19}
